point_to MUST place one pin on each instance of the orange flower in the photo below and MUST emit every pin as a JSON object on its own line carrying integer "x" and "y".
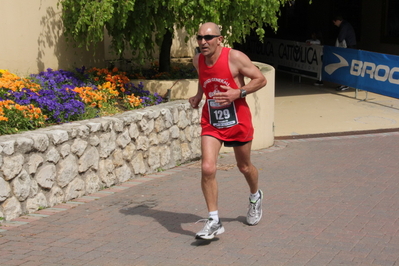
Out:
{"x": 13, "y": 82}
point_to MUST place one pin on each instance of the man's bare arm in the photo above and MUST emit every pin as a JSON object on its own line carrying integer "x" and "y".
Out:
{"x": 242, "y": 66}
{"x": 196, "y": 99}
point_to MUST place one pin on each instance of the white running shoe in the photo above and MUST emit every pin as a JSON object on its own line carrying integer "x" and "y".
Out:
{"x": 342, "y": 88}
{"x": 210, "y": 230}
{"x": 255, "y": 210}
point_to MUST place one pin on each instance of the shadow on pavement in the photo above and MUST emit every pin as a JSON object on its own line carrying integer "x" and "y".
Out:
{"x": 173, "y": 221}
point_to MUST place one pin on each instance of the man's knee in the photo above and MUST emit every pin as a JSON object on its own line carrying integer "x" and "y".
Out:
{"x": 208, "y": 169}
{"x": 244, "y": 168}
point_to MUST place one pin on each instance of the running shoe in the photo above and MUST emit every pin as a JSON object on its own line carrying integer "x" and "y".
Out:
{"x": 210, "y": 230}
{"x": 342, "y": 88}
{"x": 255, "y": 210}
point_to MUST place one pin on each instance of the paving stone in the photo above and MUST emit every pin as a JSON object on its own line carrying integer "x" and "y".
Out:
{"x": 328, "y": 201}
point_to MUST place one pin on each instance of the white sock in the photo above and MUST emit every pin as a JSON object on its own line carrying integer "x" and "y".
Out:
{"x": 214, "y": 215}
{"x": 254, "y": 197}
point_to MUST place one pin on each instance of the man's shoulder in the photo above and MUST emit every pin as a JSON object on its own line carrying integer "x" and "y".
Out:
{"x": 238, "y": 56}
{"x": 346, "y": 23}
{"x": 236, "y": 53}
{"x": 196, "y": 58}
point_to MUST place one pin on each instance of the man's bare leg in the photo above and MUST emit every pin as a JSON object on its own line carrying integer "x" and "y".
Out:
{"x": 244, "y": 164}
{"x": 243, "y": 157}
{"x": 210, "y": 147}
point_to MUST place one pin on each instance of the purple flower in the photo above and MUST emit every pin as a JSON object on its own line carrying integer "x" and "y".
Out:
{"x": 146, "y": 96}
{"x": 59, "y": 102}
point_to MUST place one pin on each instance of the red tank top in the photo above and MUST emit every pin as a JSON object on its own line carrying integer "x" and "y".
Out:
{"x": 231, "y": 122}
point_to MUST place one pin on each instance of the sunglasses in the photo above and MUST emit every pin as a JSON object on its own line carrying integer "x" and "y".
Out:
{"x": 206, "y": 37}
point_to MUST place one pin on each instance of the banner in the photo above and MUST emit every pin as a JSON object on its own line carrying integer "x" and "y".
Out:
{"x": 369, "y": 71}
{"x": 288, "y": 56}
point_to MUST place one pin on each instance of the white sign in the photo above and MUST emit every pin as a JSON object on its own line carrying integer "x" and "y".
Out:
{"x": 294, "y": 57}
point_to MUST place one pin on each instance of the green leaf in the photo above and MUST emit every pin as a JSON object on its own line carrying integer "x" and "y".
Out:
{"x": 138, "y": 25}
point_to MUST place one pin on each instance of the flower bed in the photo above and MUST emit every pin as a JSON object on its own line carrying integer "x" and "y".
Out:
{"x": 54, "y": 97}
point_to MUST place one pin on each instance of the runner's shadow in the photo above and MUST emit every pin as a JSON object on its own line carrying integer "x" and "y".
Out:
{"x": 173, "y": 221}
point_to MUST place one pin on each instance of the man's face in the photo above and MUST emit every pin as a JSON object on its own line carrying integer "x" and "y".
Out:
{"x": 208, "y": 47}
{"x": 337, "y": 22}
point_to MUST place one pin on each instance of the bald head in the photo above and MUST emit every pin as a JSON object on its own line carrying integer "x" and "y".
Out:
{"x": 209, "y": 28}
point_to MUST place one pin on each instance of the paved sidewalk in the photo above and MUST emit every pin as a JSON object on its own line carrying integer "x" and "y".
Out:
{"x": 302, "y": 108}
{"x": 328, "y": 201}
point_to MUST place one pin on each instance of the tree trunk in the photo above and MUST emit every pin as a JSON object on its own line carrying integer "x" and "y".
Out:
{"x": 164, "y": 54}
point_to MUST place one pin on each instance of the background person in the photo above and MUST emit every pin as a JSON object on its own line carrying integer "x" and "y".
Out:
{"x": 314, "y": 39}
{"x": 346, "y": 39}
{"x": 226, "y": 119}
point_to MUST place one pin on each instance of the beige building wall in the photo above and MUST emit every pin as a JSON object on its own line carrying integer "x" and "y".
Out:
{"x": 180, "y": 48}
{"x": 32, "y": 40}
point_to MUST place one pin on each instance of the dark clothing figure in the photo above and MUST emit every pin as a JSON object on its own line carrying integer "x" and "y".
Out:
{"x": 347, "y": 33}
{"x": 346, "y": 38}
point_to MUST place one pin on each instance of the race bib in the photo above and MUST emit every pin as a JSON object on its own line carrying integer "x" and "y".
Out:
{"x": 222, "y": 116}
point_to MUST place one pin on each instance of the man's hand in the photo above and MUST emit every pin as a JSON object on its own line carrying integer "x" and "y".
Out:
{"x": 227, "y": 97}
{"x": 195, "y": 100}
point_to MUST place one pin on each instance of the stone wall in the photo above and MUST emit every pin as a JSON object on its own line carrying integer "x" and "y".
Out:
{"x": 46, "y": 167}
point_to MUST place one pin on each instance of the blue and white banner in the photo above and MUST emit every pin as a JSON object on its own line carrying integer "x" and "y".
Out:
{"x": 369, "y": 71}
{"x": 289, "y": 56}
